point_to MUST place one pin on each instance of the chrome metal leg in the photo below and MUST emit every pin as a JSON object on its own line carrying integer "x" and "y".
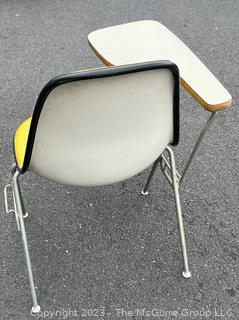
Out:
{"x": 175, "y": 185}
{"x": 17, "y": 197}
{"x": 13, "y": 170}
{"x": 154, "y": 167}
{"x": 195, "y": 149}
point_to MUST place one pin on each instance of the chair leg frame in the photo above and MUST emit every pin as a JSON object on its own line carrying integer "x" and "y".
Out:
{"x": 19, "y": 210}
{"x": 20, "y": 213}
{"x": 175, "y": 186}
{"x": 168, "y": 168}
{"x": 176, "y": 181}
{"x": 145, "y": 192}
{"x": 165, "y": 166}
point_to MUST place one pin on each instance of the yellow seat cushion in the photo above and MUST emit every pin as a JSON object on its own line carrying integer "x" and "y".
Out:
{"x": 20, "y": 141}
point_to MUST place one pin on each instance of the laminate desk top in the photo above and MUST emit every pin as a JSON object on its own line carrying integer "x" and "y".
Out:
{"x": 150, "y": 40}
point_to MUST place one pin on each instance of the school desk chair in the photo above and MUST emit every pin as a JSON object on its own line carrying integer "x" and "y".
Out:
{"x": 98, "y": 127}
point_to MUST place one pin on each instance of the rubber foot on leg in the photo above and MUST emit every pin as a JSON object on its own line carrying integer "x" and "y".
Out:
{"x": 35, "y": 309}
{"x": 187, "y": 274}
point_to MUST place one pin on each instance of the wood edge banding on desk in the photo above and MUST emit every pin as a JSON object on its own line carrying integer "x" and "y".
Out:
{"x": 209, "y": 107}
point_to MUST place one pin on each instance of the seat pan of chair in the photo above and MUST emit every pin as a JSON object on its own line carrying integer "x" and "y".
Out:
{"x": 150, "y": 40}
{"x": 20, "y": 141}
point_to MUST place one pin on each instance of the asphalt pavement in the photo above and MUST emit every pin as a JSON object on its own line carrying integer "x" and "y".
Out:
{"x": 109, "y": 248}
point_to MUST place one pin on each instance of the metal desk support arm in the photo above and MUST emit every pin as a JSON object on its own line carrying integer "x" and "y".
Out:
{"x": 166, "y": 166}
{"x": 196, "y": 147}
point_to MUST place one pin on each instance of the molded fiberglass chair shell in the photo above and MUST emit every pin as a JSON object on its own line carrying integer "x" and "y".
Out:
{"x": 99, "y": 127}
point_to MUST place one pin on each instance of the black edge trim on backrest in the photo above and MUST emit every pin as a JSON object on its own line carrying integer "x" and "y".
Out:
{"x": 95, "y": 74}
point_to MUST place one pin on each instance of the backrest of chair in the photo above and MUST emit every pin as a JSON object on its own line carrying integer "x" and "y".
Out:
{"x": 103, "y": 126}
